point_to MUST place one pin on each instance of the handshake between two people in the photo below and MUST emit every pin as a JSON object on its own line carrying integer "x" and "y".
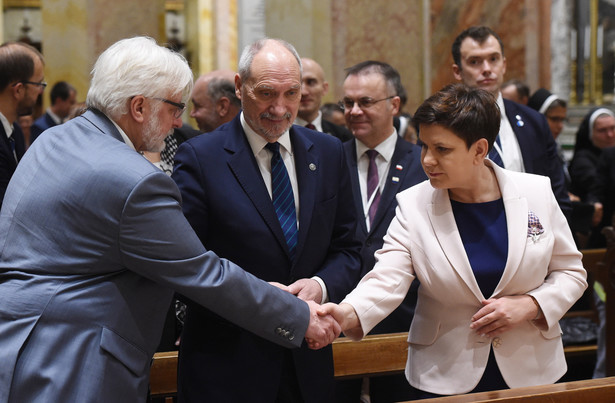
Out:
{"x": 327, "y": 321}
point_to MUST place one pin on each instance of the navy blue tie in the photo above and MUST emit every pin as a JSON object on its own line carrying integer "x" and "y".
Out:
{"x": 12, "y": 144}
{"x": 494, "y": 155}
{"x": 283, "y": 198}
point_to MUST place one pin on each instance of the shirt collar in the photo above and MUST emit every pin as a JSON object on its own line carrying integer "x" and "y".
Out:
{"x": 54, "y": 117}
{"x": 316, "y": 122}
{"x": 500, "y": 102}
{"x": 8, "y": 127}
{"x": 124, "y": 136}
{"x": 257, "y": 142}
{"x": 385, "y": 148}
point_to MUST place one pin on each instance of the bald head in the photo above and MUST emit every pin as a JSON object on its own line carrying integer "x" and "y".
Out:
{"x": 313, "y": 88}
{"x": 214, "y": 99}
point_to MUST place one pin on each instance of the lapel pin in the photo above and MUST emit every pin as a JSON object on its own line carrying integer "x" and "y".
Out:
{"x": 519, "y": 121}
{"x": 395, "y": 179}
{"x": 399, "y": 167}
{"x": 312, "y": 167}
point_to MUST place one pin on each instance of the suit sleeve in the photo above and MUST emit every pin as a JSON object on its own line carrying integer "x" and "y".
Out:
{"x": 157, "y": 242}
{"x": 566, "y": 277}
{"x": 555, "y": 170}
{"x": 342, "y": 268}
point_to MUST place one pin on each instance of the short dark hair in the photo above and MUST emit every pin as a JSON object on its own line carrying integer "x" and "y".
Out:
{"x": 328, "y": 109}
{"x": 391, "y": 76}
{"x": 470, "y": 113}
{"x": 60, "y": 90}
{"x": 17, "y": 62}
{"x": 219, "y": 87}
{"x": 522, "y": 88}
{"x": 479, "y": 34}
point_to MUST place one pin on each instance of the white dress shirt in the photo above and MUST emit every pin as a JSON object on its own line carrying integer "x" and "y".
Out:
{"x": 263, "y": 160}
{"x": 510, "y": 151}
{"x": 383, "y": 163}
{"x": 316, "y": 122}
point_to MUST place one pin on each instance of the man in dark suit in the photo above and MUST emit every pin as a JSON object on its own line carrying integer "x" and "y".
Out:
{"x": 62, "y": 96}
{"x": 381, "y": 164}
{"x": 93, "y": 249}
{"x": 313, "y": 88}
{"x": 525, "y": 142}
{"x": 272, "y": 197}
{"x": 21, "y": 82}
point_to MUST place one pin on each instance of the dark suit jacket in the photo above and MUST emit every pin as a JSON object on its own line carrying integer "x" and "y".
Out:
{"x": 227, "y": 204}
{"x": 538, "y": 148}
{"x": 41, "y": 124}
{"x": 336, "y": 131}
{"x": 408, "y": 157}
{"x": 7, "y": 159}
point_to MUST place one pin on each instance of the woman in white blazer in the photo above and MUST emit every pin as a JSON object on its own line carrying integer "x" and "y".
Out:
{"x": 495, "y": 258}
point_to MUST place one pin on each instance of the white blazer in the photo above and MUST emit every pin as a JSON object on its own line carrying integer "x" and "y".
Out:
{"x": 445, "y": 356}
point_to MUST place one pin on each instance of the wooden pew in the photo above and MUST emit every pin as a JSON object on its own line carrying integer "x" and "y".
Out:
{"x": 592, "y": 390}
{"x": 374, "y": 355}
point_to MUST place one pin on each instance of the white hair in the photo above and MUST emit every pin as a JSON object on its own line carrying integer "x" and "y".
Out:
{"x": 137, "y": 66}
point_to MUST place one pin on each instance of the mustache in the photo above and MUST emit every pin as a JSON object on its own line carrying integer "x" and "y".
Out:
{"x": 267, "y": 115}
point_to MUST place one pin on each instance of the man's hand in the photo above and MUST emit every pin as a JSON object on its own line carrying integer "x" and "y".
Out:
{"x": 501, "y": 314}
{"x": 279, "y": 285}
{"x": 306, "y": 289}
{"x": 323, "y": 328}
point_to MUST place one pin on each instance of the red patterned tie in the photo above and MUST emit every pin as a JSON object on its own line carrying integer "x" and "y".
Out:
{"x": 310, "y": 126}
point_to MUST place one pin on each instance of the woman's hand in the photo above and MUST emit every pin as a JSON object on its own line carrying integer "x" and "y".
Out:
{"x": 499, "y": 315}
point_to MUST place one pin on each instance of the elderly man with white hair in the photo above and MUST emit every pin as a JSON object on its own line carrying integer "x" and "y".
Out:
{"x": 94, "y": 242}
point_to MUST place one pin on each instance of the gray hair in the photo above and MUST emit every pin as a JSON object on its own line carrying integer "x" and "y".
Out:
{"x": 219, "y": 87}
{"x": 247, "y": 56}
{"x": 137, "y": 66}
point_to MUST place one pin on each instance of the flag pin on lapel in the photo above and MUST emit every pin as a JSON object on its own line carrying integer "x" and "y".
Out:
{"x": 399, "y": 167}
{"x": 519, "y": 121}
{"x": 312, "y": 167}
{"x": 395, "y": 179}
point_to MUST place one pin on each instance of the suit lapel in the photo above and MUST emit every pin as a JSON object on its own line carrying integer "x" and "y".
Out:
{"x": 6, "y": 149}
{"x": 351, "y": 158}
{"x": 515, "y": 117}
{"x": 306, "y": 167}
{"x": 443, "y": 222}
{"x": 401, "y": 157}
{"x": 242, "y": 163}
{"x": 516, "y": 222}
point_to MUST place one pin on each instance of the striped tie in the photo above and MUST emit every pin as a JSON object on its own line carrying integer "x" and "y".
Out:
{"x": 494, "y": 155}
{"x": 283, "y": 198}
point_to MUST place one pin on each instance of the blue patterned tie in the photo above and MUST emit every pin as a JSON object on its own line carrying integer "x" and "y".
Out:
{"x": 494, "y": 155}
{"x": 283, "y": 198}
{"x": 12, "y": 144}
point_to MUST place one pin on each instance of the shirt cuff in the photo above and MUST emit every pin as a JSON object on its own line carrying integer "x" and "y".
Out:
{"x": 325, "y": 297}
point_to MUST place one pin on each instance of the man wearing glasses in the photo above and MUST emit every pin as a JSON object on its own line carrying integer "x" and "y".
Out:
{"x": 94, "y": 242}
{"x": 21, "y": 82}
{"x": 381, "y": 164}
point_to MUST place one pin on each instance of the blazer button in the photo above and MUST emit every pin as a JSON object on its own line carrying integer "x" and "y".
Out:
{"x": 368, "y": 242}
{"x": 279, "y": 331}
{"x": 497, "y": 342}
{"x": 291, "y": 337}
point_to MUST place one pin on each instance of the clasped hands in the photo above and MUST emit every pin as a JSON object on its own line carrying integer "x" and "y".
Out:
{"x": 324, "y": 326}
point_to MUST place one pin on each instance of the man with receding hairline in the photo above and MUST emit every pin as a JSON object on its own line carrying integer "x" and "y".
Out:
{"x": 21, "y": 82}
{"x": 272, "y": 197}
{"x": 313, "y": 89}
{"x": 213, "y": 100}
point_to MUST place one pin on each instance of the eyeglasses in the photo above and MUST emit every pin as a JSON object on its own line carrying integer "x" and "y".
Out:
{"x": 42, "y": 83}
{"x": 181, "y": 107}
{"x": 364, "y": 103}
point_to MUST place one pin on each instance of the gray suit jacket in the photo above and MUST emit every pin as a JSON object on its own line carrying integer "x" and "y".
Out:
{"x": 93, "y": 242}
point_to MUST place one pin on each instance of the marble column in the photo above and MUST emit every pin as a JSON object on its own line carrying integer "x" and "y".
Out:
{"x": 75, "y": 32}
{"x": 561, "y": 11}
{"x": 211, "y": 34}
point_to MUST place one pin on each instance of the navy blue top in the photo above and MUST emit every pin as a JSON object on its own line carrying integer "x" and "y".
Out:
{"x": 484, "y": 234}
